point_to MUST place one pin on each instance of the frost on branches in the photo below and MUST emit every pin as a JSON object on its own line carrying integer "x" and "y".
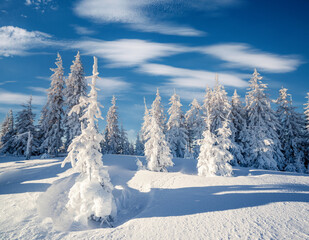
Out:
{"x": 146, "y": 125}
{"x": 177, "y": 135}
{"x": 53, "y": 112}
{"x": 263, "y": 148}
{"x": 7, "y": 134}
{"x": 195, "y": 125}
{"x": 91, "y": 196}
{"x": 157, "y": 151}
{"x": 214, "y": 154}
{"x": 75, "y": 88}
{"x": 291, "y": 133}
{"x": 112, "y": 141}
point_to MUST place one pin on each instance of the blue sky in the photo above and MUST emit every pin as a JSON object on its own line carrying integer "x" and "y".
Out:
{"x": 145, "y": 44}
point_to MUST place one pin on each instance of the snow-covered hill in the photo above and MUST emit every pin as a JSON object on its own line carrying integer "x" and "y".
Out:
{"x": 254, "y": 204}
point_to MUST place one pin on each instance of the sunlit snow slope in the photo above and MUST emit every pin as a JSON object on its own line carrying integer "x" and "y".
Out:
{"x": 254, "y": 204}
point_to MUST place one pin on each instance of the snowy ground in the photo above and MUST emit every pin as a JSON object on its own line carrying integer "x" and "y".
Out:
{"x": 254, "y": 204}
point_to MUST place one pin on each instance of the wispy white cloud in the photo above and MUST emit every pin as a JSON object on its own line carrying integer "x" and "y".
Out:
{"x": 43, "y": 78}
{"x": 18, "y": 41}
{"x": 112, "y": 85}
{"x": 38, "y": 89}
{"x": 128, "y": 52}
{"x": 19, "y": 98}
{"x": 243, "y": 55}
{"x": 187, "y": 78}
{"x": 83, "y": 30}
{"x": 133, "y": 13}
{"x": 6, "y": 82}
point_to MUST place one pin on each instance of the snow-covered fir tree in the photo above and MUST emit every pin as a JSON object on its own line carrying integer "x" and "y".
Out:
{"x": 91, "y": 196}
{"x": 195, "y": 126}
{"x": 239, "y": 130}
{"x": 263, "y": 148}
{"x": 206, "y": 107}
{"x": 157, "y": 150}
{"x": 215, "y": 156}
{"x": 218, "y": 107}
{"x": 53, "y": 111}
{"x": 146, "y": 124}
{"x": 25, "y": 141}
{"x": 291, "y": 133}
{"x": 176, "y": 133}
{"x": 139, "y": 146}
{"x": 7, "y": 134}
{"x": 112, "y": 141}
{"x": 75, "y": 88}
{"x": 124, "y": 144}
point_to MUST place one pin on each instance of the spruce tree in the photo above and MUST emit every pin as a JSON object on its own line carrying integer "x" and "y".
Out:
{"x": 239, "y": 130}
{"x": 112, "y": 141}
{"x": 7, "y": 134}
{"x": 91, "y": 196}
{"x": 263, "y": 148}
{"x": 291, "y": 133}
{"x": 214, "y": 154}
{"x": 146, "y": 125}
{"x": 139, "y": 146}
{"x": 195, "y": 126}
{"x": 177, "y": 135}
{"x": 157, "y": 150}
{"x": 53, "y": 112}
{"x": 25, "y": 141}
{"x": 75, "y": 88}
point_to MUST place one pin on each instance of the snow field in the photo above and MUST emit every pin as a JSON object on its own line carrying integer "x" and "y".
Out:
{"x": 253, "y": 204}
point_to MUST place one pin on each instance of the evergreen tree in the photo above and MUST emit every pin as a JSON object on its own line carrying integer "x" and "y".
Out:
{"x": 25, "y": 141}
{"x": 195, "y": 126}
{"x": 75, "y": 88}
{"x": 125, "y": 146}
{"x": 139, "y": 146}
{"x": 112, "y": 143}
{"x": 146, "y": 125}
{"x": 157, "y": 151}
{"x": 214, "y": 156}
{"x": 291, "y": 133}
{"x": 7, "y": 134}
{"x": 52, "y": 114}
{"x": 91, "y": 195}
{"x": 206, "y": 107}
{"x": 263, "y": 149}
{"x": 307, "y": 112}
{"x": 177, "y": 135}
{"x": 239, "y": 130}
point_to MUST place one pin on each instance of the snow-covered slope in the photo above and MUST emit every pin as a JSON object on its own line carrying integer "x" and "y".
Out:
{"x": 254, "y": 204}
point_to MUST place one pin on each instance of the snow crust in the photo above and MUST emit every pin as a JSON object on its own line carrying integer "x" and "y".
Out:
{"x": 254, "y": 204}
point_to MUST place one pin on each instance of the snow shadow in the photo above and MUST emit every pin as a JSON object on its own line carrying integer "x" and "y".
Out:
{"x": 12, "y": 181}
{"x": 243, "y": 171}
{"x": 188, "y": 201}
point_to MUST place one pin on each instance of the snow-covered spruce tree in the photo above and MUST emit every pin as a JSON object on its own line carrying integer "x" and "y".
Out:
{"x": 306, "y": 135}
{"x": 206, "y": 107}
{"x": 124, "y": 142}
{"x": 75, "y": 88}
{"x": 291, "y": 133}
{"x": 91, "y": 197}
{"x": 53, "y": 111}
{"x": 112, "y": 133}
{"x": 176, "y": 133}
{"x": 157, "y": 150}
{"x": 195, "y": 126}
{"x": 263, "y": 149}
{"x": 239, "y": 130}
{"x": 214, "y": 154}
{"x": 139, "y": 146}
{"x": 146, "y": 124}
{"x": 25, "y": 141}
{"x": 7, "y": 134}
